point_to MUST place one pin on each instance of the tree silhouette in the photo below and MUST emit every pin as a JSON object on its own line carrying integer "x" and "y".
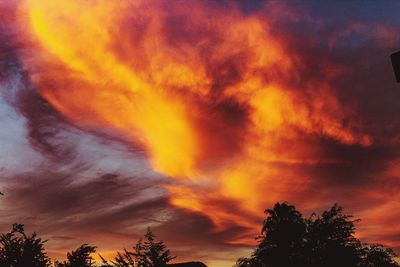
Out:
{"x": 81, "y": 257}
{"x": 20, "y": 250}
{"x": 378, "y": 256}
{"x": 150, "y": 253}
{"x": 125, "y": 259}
{"x": 282, "y": 234}
{"x": 289, "y": 240}
{"x": 155, "y": 253}
{"x": 330, "y": 238}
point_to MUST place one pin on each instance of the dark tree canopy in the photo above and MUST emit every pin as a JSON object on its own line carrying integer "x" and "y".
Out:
{"x": 20, "y": 250}
{"x": 289, "y": 240}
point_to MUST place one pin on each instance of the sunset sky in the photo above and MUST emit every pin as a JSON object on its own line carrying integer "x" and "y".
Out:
{"x": 192, "y": 117}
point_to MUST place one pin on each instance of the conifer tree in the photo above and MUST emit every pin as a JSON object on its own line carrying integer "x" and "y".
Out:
{"x": 20, "y": 250}
{"x": 147, "y": 253}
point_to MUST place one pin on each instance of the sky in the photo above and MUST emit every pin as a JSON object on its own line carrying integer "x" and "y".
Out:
{"x": 193, "y": 117}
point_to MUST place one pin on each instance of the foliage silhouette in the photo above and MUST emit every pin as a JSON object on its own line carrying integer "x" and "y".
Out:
{"x": 289, "y": 240}
{"x": 376, "y": 255}
{"x": 150, "y": 253}
{"x": 282, "y": 233}
{"x": 81, "y": 257}
{"x": 20, "y": 250}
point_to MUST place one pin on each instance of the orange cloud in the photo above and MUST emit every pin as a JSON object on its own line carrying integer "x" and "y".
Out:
{"x": 206, "y": 95}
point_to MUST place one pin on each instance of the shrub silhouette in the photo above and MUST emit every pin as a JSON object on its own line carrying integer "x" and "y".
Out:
{"x": 20, "y": 250}
{"x": 289, "y": 240}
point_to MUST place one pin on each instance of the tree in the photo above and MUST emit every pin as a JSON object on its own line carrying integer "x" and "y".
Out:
{"x": 330, "y": 241}
{"x": 282, "y": 236}
{"x": 126, "y": 259}
{"x": 376, "y": 255}
{"x": 156, "y": 254}
{"x": 20, "y": 250}
{"x": 81, "y": 257}
{"x": 150, "y": 253}
{"x": 288, "y": 240}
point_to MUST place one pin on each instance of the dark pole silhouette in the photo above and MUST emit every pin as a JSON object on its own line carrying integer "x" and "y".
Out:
{"x": 395, "y": 57}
